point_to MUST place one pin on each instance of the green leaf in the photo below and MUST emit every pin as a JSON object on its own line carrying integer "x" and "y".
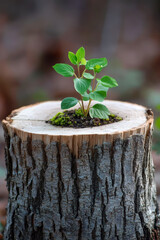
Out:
{"x": 99, "y": 111}
{"x": 64, "y": 69}
{"x": 72, "y": 57}
{"x": 109, "y": 82}
{"x": 157, "y": 123}
{"x": 98, "y": 80}
{"x": 83, "y": 61}
{"x": 98, "y": 95}
{"x": 91, "y": 64}
{"x": 85, "y": 96}
{"x": 101, "y": 88}
{"x": 90, "y": 88}
{"x": 88, "y": 75}
{"x": 81, "y": 85}
{"x": 68, "y": 102}
{"x": 80, "y": 54}
{"x": 98, "y": 68}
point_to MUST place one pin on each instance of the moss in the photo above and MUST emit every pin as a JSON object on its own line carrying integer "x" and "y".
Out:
{"x": 60, "y": 119}
{"x": 79, "y": 112}
{"x": 59, "y": 114}
{"x": 75, "y": 118}
{"x": 119, "y": 118}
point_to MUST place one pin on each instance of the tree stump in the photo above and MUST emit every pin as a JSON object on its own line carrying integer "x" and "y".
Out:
{"x": 80, "y": 184}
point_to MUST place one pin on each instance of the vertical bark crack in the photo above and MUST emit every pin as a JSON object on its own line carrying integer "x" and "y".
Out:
{"x": 60, "y": 184}
{"x": 75, "y": 191}
{"x": 100, "y": 195}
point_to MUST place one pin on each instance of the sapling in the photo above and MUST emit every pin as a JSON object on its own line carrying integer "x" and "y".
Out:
{"x": 86, "y": 83}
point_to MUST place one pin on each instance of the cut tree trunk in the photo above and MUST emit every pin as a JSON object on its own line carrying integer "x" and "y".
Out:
{"x": 80, "y": 184}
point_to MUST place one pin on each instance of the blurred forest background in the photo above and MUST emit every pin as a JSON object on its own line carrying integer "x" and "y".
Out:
{"x": 36, "y": 34}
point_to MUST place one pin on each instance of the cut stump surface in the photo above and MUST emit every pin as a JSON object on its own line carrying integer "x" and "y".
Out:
{"x": 80, "y": 184}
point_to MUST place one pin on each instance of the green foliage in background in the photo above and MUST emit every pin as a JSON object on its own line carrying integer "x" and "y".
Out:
{"x": 86, "y": 83}
{"x": 1, "y": 227}
{"x": 156, "y": 145}
{"x": 157, "y": 122}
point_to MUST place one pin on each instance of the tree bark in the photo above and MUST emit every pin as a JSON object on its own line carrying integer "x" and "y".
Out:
{"x": 105, "y": 191}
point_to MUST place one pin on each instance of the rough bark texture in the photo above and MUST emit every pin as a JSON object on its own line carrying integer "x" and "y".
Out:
{"x": 106, "y": 193}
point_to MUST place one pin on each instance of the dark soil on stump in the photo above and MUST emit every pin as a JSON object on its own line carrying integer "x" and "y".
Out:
{"x": 75, "y": 119}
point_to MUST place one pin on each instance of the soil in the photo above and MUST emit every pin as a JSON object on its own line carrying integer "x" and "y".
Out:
{"x": 75, "y": 119}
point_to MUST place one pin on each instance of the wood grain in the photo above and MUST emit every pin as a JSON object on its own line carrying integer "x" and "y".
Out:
{"x": 30, "y": 122}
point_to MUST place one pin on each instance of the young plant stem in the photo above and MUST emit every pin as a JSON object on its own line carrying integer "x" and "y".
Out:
{"x": 90, "y": 100}
{"x": 78, "y": 70}
{"x": 75, "y": 75}
{"x": 80, "y": 105}
{"x": 83, "y": 72}
{"x": 94, "y": 80}
{"x": 87, "y": 111}
{"x": 83, "y": 110}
